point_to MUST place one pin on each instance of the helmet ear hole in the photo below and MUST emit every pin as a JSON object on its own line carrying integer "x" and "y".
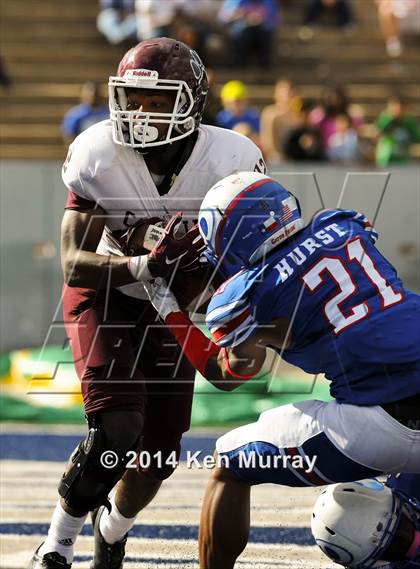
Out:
{"x": 330, "y": 531}
{"x": 189, "y": 125}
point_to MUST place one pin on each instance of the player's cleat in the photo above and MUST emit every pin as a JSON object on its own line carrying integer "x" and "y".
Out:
{"x": 106, "y": 556}
{"x": 51, "y": 560}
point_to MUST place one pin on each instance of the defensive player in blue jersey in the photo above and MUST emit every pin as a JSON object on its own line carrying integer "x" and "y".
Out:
{"x": 324, "y": 298}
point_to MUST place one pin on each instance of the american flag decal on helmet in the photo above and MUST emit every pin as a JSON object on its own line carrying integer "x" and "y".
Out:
{"x": 287, "y": 213}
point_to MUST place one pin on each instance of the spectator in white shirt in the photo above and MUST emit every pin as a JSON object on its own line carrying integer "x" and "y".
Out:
{"x": 117, "y": 20}
{"x": 154, "y": 18}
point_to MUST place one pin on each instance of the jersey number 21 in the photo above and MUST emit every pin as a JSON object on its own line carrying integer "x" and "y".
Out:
{"x": 339, "y": 273}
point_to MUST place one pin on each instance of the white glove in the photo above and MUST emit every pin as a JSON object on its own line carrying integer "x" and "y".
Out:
{"x": 161, "y": 297}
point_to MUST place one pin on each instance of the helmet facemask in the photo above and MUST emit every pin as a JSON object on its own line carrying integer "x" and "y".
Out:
{"x": 137, "y": 129}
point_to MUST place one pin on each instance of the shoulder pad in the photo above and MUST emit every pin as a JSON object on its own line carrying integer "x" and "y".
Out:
{"x": 90, "y": 153}
{"x": 325, "y": 216}
{"x": 235, "y": 149}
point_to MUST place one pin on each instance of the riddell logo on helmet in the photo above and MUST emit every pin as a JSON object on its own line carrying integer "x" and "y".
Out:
{"x": 145, "y": 73}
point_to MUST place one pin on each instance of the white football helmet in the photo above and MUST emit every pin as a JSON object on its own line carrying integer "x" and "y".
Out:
{"x": 243, "y": 217}
{"x": 354, "y": 523}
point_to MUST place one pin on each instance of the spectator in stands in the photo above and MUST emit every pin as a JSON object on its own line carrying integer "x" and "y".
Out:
{"x": 341, "y": 10}
{"x": 398, "y": 131}
{"x": 245, "y": 129}
{"x": 84, "y": 115}
{"x": 334, "y": 102}
{"x": 155, "y": 18}
{"x": 393, "y": 13}
{"x": 251, "y": 25}
{"x": 236, "y": 109}
{"x": 189, "y": 21}
{"x": 304, "y": 142}
{"x": 194, "y": 23}
{"x": 117, "y": 20}
{"x": 213, "y": 103}
{"x": 277, "y": 119}
{"x": 344, "y": 143}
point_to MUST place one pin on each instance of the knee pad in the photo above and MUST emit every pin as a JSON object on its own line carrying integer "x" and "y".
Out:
{"x": 94, "y": 469}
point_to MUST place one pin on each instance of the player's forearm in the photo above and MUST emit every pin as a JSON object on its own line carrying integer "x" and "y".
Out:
{"x": 217, "y": 375}
{"x": 90, "y": 270}
{"x": 206, "y": 356}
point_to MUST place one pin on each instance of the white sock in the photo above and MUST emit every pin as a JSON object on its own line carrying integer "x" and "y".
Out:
{"x": 113, "y": 526}
{"x": 62, "y": 534}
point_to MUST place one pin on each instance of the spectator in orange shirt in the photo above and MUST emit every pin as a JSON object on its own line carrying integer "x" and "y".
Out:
{"x": 278, "y": 118}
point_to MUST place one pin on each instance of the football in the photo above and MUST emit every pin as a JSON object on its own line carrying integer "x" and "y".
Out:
{"x": 194, "y": 289}
{"x": 141, "y": 237}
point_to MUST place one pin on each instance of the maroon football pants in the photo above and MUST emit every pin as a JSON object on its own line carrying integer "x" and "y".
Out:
{"x": 127, "y": 360}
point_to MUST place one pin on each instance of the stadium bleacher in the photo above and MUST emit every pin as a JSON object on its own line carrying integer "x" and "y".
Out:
{"x": 50, "y": 48}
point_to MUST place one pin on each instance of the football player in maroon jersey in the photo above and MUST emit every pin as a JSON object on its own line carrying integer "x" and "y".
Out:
{"x": 151, "y": 159}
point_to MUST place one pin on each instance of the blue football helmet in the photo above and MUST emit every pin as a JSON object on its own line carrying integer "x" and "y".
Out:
{"x": 355, "y": 523}
{"x": 244, "y": 217}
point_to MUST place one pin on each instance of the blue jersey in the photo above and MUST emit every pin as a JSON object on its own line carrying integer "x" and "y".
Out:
{"x": 81, "y": 117}
{"x": 350, "y": 316}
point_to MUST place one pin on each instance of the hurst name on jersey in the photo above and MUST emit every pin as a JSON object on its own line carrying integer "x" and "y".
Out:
{"x": 350, "y": 317}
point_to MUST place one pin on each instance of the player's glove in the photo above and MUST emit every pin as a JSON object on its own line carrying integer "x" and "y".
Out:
{"x": 194, "y": 259}
{"x": 162, "y": 299}
{"x": 172, "y": 254}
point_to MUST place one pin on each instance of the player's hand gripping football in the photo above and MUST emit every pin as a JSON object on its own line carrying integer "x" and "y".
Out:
{"x": 171, "y": 253}
{"x": 162, "y": 299}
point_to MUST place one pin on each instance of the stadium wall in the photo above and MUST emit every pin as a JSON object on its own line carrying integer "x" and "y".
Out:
{"x": 32, "y": 197}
